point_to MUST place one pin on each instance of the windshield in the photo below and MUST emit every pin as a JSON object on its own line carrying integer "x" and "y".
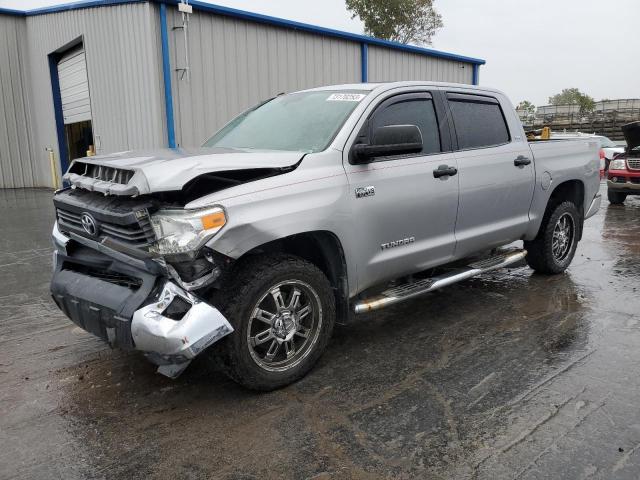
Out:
{"x": 300, "y": 122}
{"x": 606, "y": 143}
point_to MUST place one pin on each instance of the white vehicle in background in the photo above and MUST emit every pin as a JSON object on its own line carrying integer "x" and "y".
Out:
{"x": 608, "y": 148}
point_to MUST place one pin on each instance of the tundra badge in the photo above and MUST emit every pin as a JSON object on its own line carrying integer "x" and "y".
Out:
{"x": 397, "y": 243}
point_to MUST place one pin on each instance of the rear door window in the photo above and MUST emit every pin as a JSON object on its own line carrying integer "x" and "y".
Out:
{"x": 478, "y": 120}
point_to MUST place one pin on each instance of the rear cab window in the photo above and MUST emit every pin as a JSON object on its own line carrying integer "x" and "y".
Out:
{"x": 479, "y": 121}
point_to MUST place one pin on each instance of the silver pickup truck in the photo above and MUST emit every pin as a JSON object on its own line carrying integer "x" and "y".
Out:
{"x": 304, "y": 210}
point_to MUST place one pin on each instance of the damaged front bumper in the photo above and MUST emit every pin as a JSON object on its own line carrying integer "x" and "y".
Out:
{"x": 132, "y": 303}
{"x": 172, "y": 336}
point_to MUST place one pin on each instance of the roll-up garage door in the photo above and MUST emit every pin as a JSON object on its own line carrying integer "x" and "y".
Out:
{"x": 74, "y": 86}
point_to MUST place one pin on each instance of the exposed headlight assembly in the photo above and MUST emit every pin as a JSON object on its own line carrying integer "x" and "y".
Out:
{"x": 617, "y": 164}
{"x": 184, "y": 231}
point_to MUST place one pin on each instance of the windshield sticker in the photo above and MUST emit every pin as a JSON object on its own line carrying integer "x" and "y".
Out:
{"x": 345, "y": 97}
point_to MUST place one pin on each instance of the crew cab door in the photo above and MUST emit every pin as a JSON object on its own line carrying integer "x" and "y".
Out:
{"x": 403, "y": 217}
{"x": 496, "y": 174}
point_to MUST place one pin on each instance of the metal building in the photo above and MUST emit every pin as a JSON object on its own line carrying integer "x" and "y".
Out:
{"x": 110, "y": 75}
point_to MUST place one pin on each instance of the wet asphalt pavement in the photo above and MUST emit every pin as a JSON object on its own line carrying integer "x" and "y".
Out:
{"x": 512, "y": 375}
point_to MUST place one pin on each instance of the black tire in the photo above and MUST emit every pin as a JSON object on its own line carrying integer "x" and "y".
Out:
{"x": 616, "y": 198}
{"x": 252, "y": 283}
{"x": 542, "y": 253}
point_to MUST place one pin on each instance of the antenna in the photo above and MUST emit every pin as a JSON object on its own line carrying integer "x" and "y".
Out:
{"x": 185, "y": 9}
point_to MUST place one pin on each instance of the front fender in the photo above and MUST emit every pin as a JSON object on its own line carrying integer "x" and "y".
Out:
{"x": 315, "y": 200}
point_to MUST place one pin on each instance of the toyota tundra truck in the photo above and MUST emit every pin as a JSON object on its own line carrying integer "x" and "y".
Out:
{"x": 307, "y": 210}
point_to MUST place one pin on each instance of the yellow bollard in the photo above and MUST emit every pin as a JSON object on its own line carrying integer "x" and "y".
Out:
{"x": 54, "y": 170}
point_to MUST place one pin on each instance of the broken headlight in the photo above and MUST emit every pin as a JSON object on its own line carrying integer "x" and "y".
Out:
{"x": 183, "y": 231}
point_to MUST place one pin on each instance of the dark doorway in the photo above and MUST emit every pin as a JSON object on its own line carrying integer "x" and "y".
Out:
{"x": 79, "y": 138}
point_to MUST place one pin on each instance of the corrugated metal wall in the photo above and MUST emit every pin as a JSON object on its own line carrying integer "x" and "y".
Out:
{"x": 125, "y": 76}
{"x": 16, "y": 136}
{"x": 387, "y": 65}
{"x": 236, "y": 64}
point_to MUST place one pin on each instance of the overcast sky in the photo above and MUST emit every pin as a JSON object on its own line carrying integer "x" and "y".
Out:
{"x": 533, "y": 49}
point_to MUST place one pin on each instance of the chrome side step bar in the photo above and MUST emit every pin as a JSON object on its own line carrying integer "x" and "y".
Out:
{"x": 411, "y": 290}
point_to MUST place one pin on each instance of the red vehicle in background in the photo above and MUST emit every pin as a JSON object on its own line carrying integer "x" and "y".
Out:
{"x": 623, "y": 176}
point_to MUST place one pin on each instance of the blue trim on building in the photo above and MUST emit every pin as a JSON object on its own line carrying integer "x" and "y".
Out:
{"x": 256, "y": 17}
{"x": 364, "y": 62}
{"x": 11, "y": 11}
{"x": 475, "y": 74}
{"x": 77, "y": 5}
{"x": 166, "y": 73}
{"x": 63, "y": 151}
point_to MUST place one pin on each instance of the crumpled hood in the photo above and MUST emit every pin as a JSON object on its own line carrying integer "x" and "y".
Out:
{"x": 161, "y": 170}
{"x": 632, "y": 135}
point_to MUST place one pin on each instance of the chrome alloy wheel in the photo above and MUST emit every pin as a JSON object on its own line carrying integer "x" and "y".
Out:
{"x": 563, "y": 235}
{"x": 284, "y": 325}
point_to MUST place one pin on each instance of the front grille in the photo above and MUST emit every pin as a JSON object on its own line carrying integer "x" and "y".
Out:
{"x": 138, "y": 234}
{"x": 634, "y": 163}
{"x": 635, "y": 180}
{"x": 101, "y": 172}
{"x": 122, "y": 219}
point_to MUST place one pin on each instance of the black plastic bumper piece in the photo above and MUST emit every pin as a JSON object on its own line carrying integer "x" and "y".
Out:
{"x": 100, "y": 294}
{"x": 627, "y": 190}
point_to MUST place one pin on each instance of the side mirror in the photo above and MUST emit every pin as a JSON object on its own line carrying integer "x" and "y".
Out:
{"x": 390, "y": 140}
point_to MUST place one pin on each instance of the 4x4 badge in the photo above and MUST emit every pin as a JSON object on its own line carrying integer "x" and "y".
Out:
{"x": 369, "y": 191}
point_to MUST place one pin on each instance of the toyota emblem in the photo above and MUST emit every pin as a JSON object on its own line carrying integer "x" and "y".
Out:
{"x": 89, "y": 224}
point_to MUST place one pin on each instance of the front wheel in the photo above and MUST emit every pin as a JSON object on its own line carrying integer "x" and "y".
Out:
{"x": 553, "y": 249}
{"x": 616, "y": 198}
{"x": 283, "y": 311}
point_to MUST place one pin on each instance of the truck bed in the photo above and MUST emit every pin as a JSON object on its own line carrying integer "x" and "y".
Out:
{"x": 557, "y": 161}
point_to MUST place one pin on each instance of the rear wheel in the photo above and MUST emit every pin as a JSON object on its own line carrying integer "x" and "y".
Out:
{"x": 553, "y": 249}
{"x": 283, "y": 310}
{"x": 616, "y": 198}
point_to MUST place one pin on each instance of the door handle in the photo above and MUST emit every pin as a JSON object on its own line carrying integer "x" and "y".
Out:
{"x": 444, "y": 170}
{"x": 521, "y": 160}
